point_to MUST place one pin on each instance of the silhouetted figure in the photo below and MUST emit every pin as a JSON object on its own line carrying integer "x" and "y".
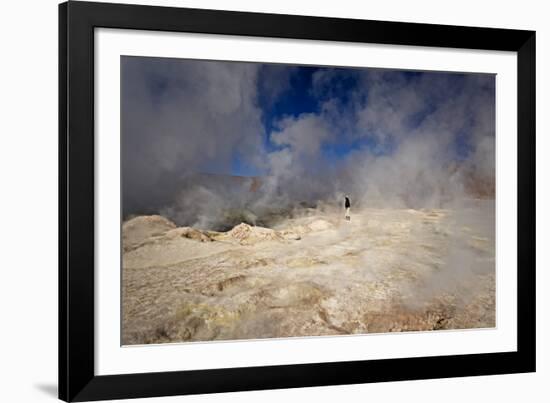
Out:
{"x": 347, "y": 205}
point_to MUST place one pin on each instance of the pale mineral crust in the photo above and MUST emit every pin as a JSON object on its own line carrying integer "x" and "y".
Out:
{"x": 386, "y": 270}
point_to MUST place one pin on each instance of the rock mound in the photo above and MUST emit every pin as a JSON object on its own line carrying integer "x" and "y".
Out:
{"x": 189, "y": 233}
{"x": 137, "y": 230}
{"x": 247, "y": 234}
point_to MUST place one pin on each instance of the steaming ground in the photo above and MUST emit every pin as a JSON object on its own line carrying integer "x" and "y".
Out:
{"x": 387, "y": 270}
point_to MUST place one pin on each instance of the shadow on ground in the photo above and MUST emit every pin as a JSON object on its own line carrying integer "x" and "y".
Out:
{"x": 49, "y": 389}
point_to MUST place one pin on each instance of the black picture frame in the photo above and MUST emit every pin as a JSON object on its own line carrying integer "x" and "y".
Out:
{"x": 77, "y": 379}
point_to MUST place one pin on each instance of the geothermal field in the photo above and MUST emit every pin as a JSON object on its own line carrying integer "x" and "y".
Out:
{"x": 310, "y": 274}
{"x": 235, "y": 177}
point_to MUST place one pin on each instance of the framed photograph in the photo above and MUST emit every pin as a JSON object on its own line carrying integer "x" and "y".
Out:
{"x": 256, "y": 201}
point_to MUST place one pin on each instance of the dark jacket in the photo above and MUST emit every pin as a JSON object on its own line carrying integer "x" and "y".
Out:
{"x": 348, "y": 204}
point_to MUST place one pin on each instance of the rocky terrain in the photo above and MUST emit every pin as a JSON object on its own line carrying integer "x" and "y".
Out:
{"x": 386, "y": 270}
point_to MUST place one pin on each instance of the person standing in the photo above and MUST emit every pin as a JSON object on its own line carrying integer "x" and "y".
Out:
{"x": 347, "y": 205}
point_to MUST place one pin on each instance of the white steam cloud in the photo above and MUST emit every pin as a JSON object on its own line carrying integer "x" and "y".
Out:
{"x": 412, "y": 140}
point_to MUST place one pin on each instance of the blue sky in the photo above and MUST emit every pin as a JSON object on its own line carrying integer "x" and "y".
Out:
{"x": 347, "y": 87}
